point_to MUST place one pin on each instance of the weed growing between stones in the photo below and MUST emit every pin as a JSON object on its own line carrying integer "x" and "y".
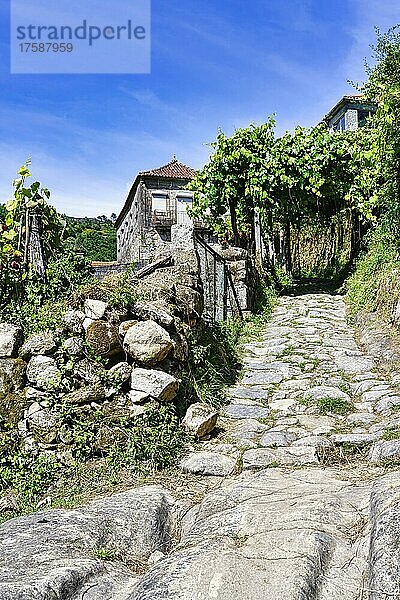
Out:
{"x": 239, "y": 540}
{"x": 270, "y": 420}
{"x": 150, "y": 443}
{"x": 325, "y": 406}
{"x": 104, "y": 554}
{"x": 343, "y": 455}
{"x": 289, "y": 351}
{"x": 392, "y": 433}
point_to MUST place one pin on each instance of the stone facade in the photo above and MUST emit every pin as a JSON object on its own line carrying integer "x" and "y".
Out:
{"x": 350, "y": 113}
{"x": 154, "y": 223}
{"x": 157, "y": 201}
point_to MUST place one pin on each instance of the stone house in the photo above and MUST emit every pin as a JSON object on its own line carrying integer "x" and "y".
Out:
{"x": 158, "y": 201}
{"x": 154, "y": 223}
{"x": 350, "y": 113}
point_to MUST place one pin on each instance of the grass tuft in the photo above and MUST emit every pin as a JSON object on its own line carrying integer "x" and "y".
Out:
{"x": 327, "y": 405}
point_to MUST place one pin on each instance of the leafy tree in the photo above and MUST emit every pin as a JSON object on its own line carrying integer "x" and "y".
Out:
{"x": 383, "y": 87}
{"x": 22, "y": 288}
{"x": 229, "y": 184}
{"x": 310, "y": 176}
{"x": 95, "y": 238}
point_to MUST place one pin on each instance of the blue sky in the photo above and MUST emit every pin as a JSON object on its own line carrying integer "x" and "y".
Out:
{"x": 215, "y": 64}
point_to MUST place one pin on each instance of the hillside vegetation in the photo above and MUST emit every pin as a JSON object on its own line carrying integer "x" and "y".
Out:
{"x": 375, "y": 285}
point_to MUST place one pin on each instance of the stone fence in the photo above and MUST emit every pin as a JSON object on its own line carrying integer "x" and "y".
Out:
{"x": 116, "y": 360}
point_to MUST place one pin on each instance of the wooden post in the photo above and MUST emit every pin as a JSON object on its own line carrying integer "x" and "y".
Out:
{"x": 27, "y": 236}
{"x": 35, "y": 250}
{"x": 258, "y": 237}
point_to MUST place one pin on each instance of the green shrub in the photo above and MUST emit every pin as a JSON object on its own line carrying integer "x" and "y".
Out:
{"x": 44, "y": 303}
{"x": 375, "y": 284}
{"x": 117, "y": 290}
{"x": 26, "y": 475}
{"x": 152, "y": 443}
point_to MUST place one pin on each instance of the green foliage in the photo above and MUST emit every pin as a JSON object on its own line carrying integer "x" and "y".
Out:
{"x": 96, "y": 238}
{"x": 117, "y": 290}
{"x": 375, "y": 284}
{"x": 305, "y": 179}
{"x": 152, "y": 443}
{"x": 393, "y": 433}
{"x": 264, "y": 302}
{"x": 282, "y": 279}
{"x": 25, "y": 474}
{"x": 103, "y": 553}
{"x": 213, "y": 363}
{"x": 383, "y": 87}
{"x": 27, "y": 297}
{"x": 143, "y": 446}
{"x": 43, "y": 303}
{"x": 28, "y": 202}
{"x": 45, "y": 317}
{"x": 230, "y": 182}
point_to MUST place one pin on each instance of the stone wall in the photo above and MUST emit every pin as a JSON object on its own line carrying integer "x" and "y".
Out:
{"x": 128, "y": 234}
{"x": 143, "y": 349}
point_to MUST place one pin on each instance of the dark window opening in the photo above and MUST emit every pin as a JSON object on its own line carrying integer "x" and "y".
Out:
{"x": 340, "y": 125}
{"x": 165, "y": 234}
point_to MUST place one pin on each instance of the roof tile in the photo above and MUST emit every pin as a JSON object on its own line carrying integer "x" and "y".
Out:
{"x": 172, "y": 170}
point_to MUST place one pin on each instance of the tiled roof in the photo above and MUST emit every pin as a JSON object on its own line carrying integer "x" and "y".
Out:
{"x": 172, "y": 170}
{"x": 353, "y": 97}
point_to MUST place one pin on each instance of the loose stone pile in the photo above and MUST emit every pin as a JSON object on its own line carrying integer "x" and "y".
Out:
{"x": 308, "y": 393}
{"x": 52, "y": 382}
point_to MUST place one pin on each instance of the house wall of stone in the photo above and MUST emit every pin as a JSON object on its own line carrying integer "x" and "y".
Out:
{"x": 137, "y": 239}
{"x": 128, "y": 233}
{"x": 336, "y": 118}
{"x": 351, "y": 112}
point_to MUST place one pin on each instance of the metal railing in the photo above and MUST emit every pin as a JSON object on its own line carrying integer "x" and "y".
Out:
{"x": 220, "y": 297}
{"x": 162, "y": 218}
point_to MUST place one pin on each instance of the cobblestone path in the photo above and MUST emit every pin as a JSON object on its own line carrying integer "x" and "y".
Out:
{"x": 309, "y": 504}
{"x": 308, "y": 394}
{"x": 295, "y": 497}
